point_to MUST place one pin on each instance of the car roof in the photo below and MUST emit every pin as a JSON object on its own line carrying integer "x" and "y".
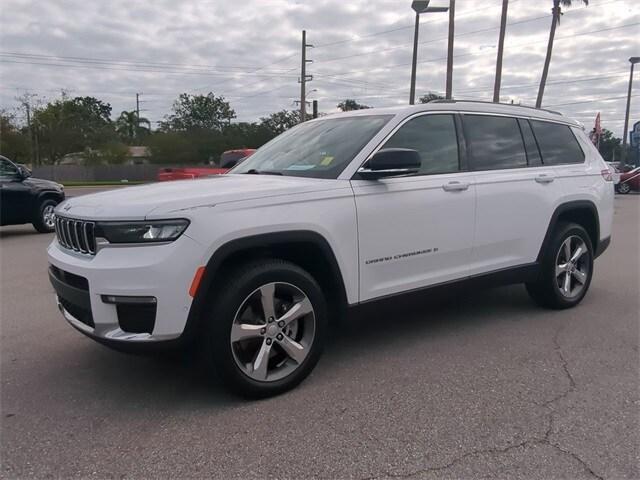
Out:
{"x": 465, "y": 106}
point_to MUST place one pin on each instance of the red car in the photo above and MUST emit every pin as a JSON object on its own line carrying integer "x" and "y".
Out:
{"x": 228, "y": 160}
{"x": 629, "y": 181}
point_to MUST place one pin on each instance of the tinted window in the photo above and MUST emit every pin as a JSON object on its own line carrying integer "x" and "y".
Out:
{"x": 557, "y": 143}
{"x": 315, "y": 149}
{"x": 533, "y": 154}
{"x": 7, "y": 169}
{"x": 434, "y": 138}
{"x": 495, "y": 142}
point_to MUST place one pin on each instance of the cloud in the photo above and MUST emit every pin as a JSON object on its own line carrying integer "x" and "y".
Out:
{"x": 249, "y": 52}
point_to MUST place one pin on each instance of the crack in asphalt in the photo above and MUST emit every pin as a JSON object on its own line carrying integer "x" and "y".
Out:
{"x": 545, "y": 440}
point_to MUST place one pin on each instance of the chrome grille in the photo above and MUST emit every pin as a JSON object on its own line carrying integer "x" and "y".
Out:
{"x": 76, "y": 235}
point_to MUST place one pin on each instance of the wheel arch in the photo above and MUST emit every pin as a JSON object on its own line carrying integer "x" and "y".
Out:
{"x": 48, "y": 195}
{"x": 582, "y": 212}
{"x": 307, "y": 249}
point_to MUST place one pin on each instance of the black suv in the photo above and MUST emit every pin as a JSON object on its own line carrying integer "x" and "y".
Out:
{"x": 27, "y": 200}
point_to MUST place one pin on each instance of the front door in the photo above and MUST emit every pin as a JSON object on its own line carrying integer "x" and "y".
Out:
{"x": 415, "y": 231}
{"x": 14, "y": 195}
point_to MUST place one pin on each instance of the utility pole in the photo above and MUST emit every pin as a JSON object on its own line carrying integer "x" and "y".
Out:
{"x": 623, "y": 157}
{"x": 452, "y": 16}
{"x": 304, "y": 78}
{"x": 25, "y": 100}
{"x": 503, "y": 26}
{"x": 138, "y": 109}
{"x": 412, "y": 92}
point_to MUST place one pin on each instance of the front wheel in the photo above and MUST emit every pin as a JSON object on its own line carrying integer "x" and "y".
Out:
{"x": 267, "y": 328}
{"x": 566, "y": 270}
{"x": 45, "y": 217}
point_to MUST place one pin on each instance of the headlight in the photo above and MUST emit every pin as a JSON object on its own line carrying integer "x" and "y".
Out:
{"x": 142, "y": 232}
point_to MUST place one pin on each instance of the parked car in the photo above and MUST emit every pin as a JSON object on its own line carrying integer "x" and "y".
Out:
{"x": 24, "y": 199}
{"x": 615, "y": 173}
{"x": 231, "y": 158}
{"x": 629, "y": 181}
{"x": 257, "y": 265}
{"x": 186, "y": 173}
{"x": 228, "y": 160}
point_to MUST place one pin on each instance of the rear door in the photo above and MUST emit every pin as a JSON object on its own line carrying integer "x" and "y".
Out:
{"x": 516, "y": 194}
{"x": 417, "y": 230}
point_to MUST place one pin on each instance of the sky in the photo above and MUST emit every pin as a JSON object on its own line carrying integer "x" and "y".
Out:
{"x": 249, "y": 52}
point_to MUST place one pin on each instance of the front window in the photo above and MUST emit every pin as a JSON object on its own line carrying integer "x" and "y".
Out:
{"x": 316, "y": 149}
{"x": 7, "y": 169}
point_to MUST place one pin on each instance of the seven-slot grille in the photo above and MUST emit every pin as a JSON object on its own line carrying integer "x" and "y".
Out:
{"x": 77, "y": 235}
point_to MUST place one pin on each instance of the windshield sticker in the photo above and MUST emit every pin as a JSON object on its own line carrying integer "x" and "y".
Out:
{"x": 326, "y": 161}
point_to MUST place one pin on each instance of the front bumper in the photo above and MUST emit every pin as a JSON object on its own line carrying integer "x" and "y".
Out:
{"x": 84, "y": 285}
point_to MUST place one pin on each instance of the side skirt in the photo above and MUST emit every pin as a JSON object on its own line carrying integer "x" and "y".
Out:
{"x": 505, "y": 276}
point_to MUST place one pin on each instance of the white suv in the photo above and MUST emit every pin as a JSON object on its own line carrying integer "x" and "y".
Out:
{"x": 338, "y": 211}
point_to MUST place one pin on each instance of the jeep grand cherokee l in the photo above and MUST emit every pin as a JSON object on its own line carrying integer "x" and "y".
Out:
{"x": 258, "y": 264}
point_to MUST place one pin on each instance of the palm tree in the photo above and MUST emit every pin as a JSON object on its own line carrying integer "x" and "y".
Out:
{"x": 555, "y": 21}
{"x": 128, "y": 126}
{"x": 503, "y": 27}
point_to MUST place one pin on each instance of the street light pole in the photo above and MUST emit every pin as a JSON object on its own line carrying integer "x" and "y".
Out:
{"x": 412, "y": 93}
{"x": 419, "y": 6}
{"x": 623, "y": 158}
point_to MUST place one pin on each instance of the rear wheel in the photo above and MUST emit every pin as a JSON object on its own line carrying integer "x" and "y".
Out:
{"x": 567, "y": 268}
{"x": 623, "y": 188}
{"x": 45, "y": 219}
{"x": 266, "y": 330}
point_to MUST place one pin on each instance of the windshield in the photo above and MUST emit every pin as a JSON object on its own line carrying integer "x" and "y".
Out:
{"x": 317, "y": 149}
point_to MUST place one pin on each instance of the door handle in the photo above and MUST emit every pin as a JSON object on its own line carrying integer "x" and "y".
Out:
{"x": 455, "y": 186}
{"x": 544, "y": 178}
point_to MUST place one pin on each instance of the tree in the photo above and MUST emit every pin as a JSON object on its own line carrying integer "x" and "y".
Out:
{"x": 555, "y": 21}
{"x": 72, "y": 125}
{"x": 130, "y": 128}
{"x": 280, "y": 121}
{"x": 503, "y": 28}
{"x": 429, "y": 97}
{"x": 350, "y": 104}
{"x": 610, "y": 146}
{"x": 14, "y": 141}
{"x": 198, "y": 112}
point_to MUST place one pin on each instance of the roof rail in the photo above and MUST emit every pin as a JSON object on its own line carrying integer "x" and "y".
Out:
{"x": 493, "y": 103}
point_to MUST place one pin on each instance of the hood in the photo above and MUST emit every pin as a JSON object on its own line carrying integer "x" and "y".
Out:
{"x": 164, "y": 198}
{"x": 42, "y": 184}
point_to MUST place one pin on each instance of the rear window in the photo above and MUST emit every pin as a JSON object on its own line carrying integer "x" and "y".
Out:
{"x": 495, "y": 142}
{"x": 558, "y": 145}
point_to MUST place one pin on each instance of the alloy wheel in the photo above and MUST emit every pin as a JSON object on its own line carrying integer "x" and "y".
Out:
{"x": 48, "y": 217}
{"x": 273, "y": 331}
{"x": 624, "y": 188}
{"x": 572, "y": 267}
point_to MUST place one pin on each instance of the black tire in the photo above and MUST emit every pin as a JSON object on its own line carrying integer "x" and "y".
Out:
{"x": 239, "y": 285}
{"x": 39, "y": 222}
{"x": 623, "y": 188}
{"x": 546, "y": 291}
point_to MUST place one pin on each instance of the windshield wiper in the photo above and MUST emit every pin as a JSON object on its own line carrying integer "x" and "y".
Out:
{"x": 253, "y": 171}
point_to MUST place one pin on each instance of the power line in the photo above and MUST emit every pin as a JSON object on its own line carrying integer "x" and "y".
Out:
{"x": 590, "y": 101}
{"x": 404, "y": 27}
{"x": 484, "y": 53}
{"x": 129, "y": 63}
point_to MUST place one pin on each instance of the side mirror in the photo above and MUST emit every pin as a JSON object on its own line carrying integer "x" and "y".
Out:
{"x": 23, "y": 172}
{"x": 391, "y": 162}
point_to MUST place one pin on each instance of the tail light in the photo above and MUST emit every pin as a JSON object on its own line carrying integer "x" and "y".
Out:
{"x": 606, "y": 174}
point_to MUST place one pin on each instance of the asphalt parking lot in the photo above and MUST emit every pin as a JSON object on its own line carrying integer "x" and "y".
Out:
{"x": 475, "y": 385}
